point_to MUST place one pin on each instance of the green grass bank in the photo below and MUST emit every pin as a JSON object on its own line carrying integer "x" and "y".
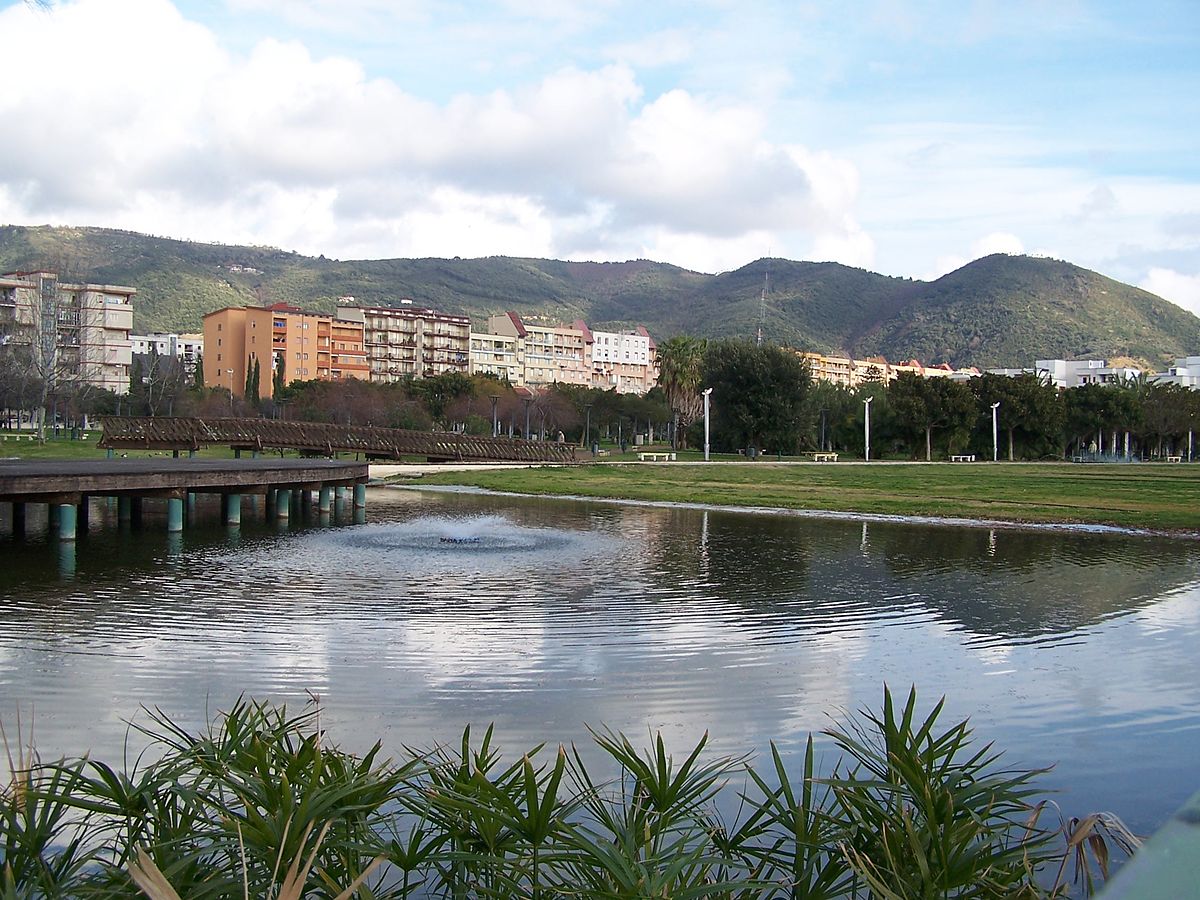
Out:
{"x": 1153, "y": 496}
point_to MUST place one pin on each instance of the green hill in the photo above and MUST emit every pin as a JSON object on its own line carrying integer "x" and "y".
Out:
{"x": 1000, "y": 310}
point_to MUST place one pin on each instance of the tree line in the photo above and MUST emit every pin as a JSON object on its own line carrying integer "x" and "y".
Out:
{"x": 763, "y": 400}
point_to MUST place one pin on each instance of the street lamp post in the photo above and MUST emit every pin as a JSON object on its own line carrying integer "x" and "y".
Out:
{"x": 495, "y": 421}
{"x": 230, "y": 373}
{"x": 707, "y": 392}
{"x": 867, "y": 429}
{"x": 995, "y": 432}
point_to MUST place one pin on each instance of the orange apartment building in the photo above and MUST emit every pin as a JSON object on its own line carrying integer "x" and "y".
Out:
{"x": 305, "y": 346}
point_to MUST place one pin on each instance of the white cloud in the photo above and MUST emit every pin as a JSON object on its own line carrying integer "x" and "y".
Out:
{"x": 169, "y": 132}
{"x": 1182, "y": 290}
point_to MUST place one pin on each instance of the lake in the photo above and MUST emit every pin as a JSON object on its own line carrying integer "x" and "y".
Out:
{"x": 1072, "y": 650}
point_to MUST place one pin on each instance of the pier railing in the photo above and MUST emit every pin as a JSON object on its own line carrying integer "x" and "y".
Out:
{"x": 177, "y": 433}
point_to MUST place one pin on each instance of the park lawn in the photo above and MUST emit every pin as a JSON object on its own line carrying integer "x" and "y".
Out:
{"x": 1154, "y": 496}
{"x": 65, "y": 448}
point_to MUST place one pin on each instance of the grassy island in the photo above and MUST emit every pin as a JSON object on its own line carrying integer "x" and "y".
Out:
{"x": 1138, "y": 495}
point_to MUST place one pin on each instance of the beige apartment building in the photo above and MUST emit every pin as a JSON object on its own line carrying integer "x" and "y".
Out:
{"x": 80, "y": 332}
{"x": 535, "y": 355}
{"x": 850, "y": 372}
{"x": 411, "y": 342}
{"x": 499, "y": 355}
{"x": 304, "y": 346}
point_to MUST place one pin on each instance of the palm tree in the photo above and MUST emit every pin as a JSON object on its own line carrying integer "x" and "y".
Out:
{"x": 680, "y": 365}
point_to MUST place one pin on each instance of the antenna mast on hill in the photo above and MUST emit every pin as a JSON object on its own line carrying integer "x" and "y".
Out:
{"x": 762, "y": 305}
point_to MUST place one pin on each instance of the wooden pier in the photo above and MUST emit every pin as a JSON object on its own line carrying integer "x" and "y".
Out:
{"x": 66, "y": 486}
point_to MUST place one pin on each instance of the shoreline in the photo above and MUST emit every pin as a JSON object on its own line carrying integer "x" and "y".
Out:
{"x": 834, "y": 515}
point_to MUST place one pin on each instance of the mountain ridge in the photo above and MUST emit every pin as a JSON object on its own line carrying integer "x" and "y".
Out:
{"x": 997, "y": 310}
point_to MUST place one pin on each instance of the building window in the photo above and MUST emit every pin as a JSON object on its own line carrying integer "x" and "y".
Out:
{"x": 219, "y": 326}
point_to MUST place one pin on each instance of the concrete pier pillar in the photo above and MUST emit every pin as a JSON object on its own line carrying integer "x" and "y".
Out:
{"x": 360, "y": 496}
{"x": 135, "y": 511}
{"x": 306, "y": 502}
{"x": 124, "y": 510}
{"x": 191, "y": 505}
{"x": 191, "y": 454}
{"x": 174, "y": 514}
{"x": 18, "y": 520}
{"x": 109, "y": 453}
{"x": 283, "y": 504}
{"x": 52, "y": 517}
{"x": 237, "y": 453}
{"x": 66, "y": 521}
{"x": 297, "y": 508}
{"x": 325, "y": 500}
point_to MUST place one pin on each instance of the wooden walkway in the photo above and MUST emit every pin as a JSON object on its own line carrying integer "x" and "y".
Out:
{"x": 169, "y": 433}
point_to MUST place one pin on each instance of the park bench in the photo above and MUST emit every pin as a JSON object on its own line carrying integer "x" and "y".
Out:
{"x": 18, "y": 437}
{"x": 963, "y": 457}
{"x": 1177, "y": 459}
{"x": 823, "y": 457}
{"x": 647, "y": 456}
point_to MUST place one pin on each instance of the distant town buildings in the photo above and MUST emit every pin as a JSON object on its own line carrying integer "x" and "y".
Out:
{"x": 187, "y": 348}
{"x": 78, "y": 333}
{"x": 1062, "y": 373}
{"x": 385, "y": 343}
{"x": 849, "y": 372}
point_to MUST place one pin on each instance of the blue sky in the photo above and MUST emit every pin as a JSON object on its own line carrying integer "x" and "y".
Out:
{"x": 907, "y": 138}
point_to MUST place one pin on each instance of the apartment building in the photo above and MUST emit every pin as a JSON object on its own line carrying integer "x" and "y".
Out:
{"x": 187, "y": 348}
{"x": 622, "y": 361}
{"x": 850, "y": 372}
{"x": 80, "y": 331}
{"x": 303, "y": 346}
{"x": 1069, "y": 373}
{"x": 499, "y": 355}
{"x": 411, "y": 342}
{"x": 534, "y": 355}
{"x": 551, "y": 353}
{"x": 1185, "y": 373}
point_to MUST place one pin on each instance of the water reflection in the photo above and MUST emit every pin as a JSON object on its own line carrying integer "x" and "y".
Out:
{"x": 543, "y": 616}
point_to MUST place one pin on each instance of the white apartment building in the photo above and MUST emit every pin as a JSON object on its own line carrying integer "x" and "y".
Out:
{"x": 80, "y": 331}
{"x": 1069, "y": 373}
{"x": 624, "y": 362}
{"x": 1185, "y": 373}
{"x": 185, "y": 347}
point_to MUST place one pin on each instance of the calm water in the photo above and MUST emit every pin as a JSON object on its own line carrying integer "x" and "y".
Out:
{"x": 1074, "y": 650}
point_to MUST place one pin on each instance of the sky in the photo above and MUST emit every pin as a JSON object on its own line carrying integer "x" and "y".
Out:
{"x": 902, "y": 137}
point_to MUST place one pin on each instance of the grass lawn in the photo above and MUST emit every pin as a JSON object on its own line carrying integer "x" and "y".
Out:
{"x": 65, "y": 448}
{"x": 1141, "y": 495}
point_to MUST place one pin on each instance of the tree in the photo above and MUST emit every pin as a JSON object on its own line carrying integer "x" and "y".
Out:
{"x": 758, "y": 394}
{"x": 1091, "y": 410}
{"x": 277, "y": 376}
{"x": 921, "y": 405}
{"x": 680, "y": 368}
{"x": 198, "y": 373}
{"x": 1029, "y": 407}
